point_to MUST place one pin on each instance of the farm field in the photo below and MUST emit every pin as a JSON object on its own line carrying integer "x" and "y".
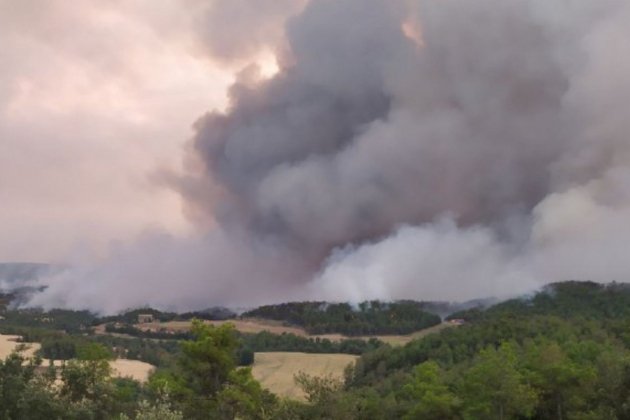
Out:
{"x": 254, "y": 326}
{"x": 121, "y": 367}
{"x": 135, "y": 369}
{"x": 401, "y": 340}
{"x": 8, "y": 343}
{"x": 275, "y": 370}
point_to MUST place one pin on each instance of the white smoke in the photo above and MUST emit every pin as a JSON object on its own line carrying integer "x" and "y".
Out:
{"x": 485, "y": 156}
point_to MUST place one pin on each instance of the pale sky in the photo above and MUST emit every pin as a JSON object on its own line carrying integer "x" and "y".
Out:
{"x": 95, "y": 97}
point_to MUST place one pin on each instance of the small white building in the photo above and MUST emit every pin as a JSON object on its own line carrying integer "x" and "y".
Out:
{"x": 145, "y": 318}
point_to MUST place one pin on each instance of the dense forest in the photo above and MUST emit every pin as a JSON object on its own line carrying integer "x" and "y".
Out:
{"x": 367, "y": 318}
{"x": 131, "y": 316}
{"x": 562, "y": 353}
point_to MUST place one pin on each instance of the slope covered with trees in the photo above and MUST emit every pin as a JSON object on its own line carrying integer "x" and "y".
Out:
{"x": 367, "y": 318}
{"x": 562, "y": 353}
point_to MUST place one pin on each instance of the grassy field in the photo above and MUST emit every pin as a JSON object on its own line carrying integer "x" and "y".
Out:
{"x": 401, "y": 340}
{"x": 244, "y": 325}
{"x": 275, "y": 370}
{"x": 8, "y": 343}
{"x": 257, "y": 325}
{"x": 135, "y": 369}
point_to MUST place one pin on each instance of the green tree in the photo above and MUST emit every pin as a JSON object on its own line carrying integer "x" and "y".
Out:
{"x": 85, "y": 377}
{"x": 207, "y": 382}
{"x": 556, "y": 376}
{"x": 325, "y": 397}
{"x": 495, "y": 388}
{"x": 161, "y": 410}
{"x": 243, "y": 397}
{"x": 431, "y": 397}
{"x": 23, "y": 393}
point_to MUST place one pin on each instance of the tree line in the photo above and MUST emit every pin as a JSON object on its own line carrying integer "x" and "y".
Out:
{"x": 366, "y": 318}
{"x": 563, "y": 353}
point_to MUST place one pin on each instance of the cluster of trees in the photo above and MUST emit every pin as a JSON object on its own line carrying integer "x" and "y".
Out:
{"x": 266, "y": 341}
{"x": 80, "y": 389}
{"x": 163, "y": 334}
{"x": 570, "y": 299}
{"x": 66, "y": 347}
{"x": 56, "y": 319}
{"x": 367, "y": 318}
{"x": 563, "y": 353}
{"x": 540, "y": 379}
{"x": 259, "y": 342}
{"x": 204, "y": 382}
{"x": 131, "y": 317}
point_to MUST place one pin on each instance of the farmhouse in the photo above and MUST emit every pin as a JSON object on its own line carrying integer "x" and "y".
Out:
{"x": 145, "y": 318}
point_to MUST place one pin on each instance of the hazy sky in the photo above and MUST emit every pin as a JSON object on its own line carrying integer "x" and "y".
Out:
{"x": 185, "y": 153}
{"x": 95, "y": 97}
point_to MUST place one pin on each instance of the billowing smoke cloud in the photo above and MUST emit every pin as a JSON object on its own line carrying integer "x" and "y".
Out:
{"x": 484, "y": 151}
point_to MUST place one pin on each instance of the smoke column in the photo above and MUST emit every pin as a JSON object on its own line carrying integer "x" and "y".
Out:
{"x": 435, "y": 149}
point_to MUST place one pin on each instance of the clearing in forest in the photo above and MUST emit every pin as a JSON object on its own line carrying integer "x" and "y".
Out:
{"x": 275, "y": 370}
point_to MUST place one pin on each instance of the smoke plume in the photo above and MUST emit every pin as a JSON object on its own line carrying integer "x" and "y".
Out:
{"x": 429, "y": 149}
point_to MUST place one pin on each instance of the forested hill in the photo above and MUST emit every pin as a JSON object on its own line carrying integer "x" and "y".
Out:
{"x": 571, "y": 299}
{"x": 562, "y": 353}
{"x": 373, "y": 317}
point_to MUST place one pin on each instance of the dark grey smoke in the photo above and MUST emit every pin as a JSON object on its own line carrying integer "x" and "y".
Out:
{"x": 14, "y": 275}
{"x": 364, "y": 130}
{"x": 300, "y": 121}
{"x": 486, "y": 155}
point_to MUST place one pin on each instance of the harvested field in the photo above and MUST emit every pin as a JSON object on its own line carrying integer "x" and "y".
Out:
{"x": 275, "y": 370}
{"x": 257, "y": 325}
{"x": 8, "y": 343}
{"x": 244, "y": 325}
{"x": 401, "y": 340}
{"x": 134, "y": 369}
{"x": 121, "y": 367}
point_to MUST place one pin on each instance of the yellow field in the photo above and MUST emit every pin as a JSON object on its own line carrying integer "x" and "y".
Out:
{"x": 8, "y": 343}
{"x": 258, "y": 325}
{"x": 135, "y": 369}
{"x": 247, "y": 325}
{"x": 275, "y": 370}
{"x": 401, "y": 340}
{"x": 121, "y": 367}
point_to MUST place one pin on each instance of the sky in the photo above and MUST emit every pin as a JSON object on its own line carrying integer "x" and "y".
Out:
{"x": 96, "y": 99}
{"x": 190, "y": 153}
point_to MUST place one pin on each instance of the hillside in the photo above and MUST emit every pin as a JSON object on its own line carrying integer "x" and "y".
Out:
{"x": 563, "y": 352}
{"x": 367, "y": 318}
